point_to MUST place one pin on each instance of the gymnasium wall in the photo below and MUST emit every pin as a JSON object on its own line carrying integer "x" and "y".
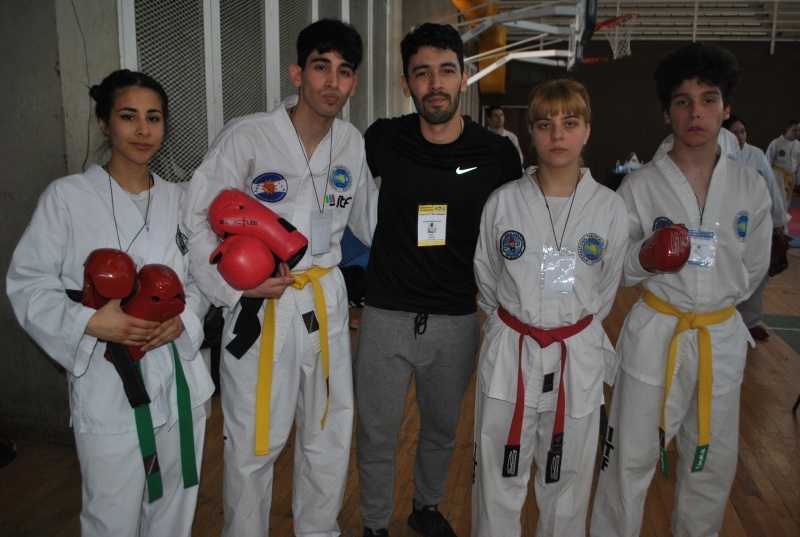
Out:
{"x": 627, "y": 114}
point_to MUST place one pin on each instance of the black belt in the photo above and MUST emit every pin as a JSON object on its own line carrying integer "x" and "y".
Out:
{"x": 132, "y": 381}
{"x": 247, "y": 327}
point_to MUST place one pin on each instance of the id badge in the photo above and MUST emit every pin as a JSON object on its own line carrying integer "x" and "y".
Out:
{"x": 431, "y": 225}
{"x": 320, "y": 234}
{"x": 704, "y": 248}
{"x": 558, "y": 269}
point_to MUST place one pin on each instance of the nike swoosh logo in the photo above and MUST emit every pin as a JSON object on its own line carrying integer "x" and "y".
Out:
{"x": 459, "y": 171}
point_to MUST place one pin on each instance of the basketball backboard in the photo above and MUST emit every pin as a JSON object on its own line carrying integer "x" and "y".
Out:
{"x": 586, "y": 20}
{"x": 557, "y": 31}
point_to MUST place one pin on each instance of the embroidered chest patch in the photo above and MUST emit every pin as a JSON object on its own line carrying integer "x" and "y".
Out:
{"x": 270, "y": 187}
{"x": 512, "y": 245}
{"x": 340, "y": 180}
{"x": 661, "y": 221}
{"x": 182, "y": 241}
{"x": 590, "y": 248}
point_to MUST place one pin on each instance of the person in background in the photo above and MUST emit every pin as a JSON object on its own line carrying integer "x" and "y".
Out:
{"x": 783, "y": 154}
{"x": 496, "y": 119}
{"x": 752, "y": 156}
{"x": 699, "y": 227}
{"x": 420, "y": 317}
{"x": 287, "y": 358}
{"x": 548, "y": 264}
{"x": 132, "y": 214}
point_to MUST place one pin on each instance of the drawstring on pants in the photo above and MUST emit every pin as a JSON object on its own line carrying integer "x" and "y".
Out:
{"x": 420, "y": 324}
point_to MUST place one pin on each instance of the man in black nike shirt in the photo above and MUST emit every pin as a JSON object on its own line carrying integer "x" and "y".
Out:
{"x": 436, "y": 170}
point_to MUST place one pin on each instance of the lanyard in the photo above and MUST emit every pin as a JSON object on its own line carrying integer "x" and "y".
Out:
{"x": 552, "y": 226}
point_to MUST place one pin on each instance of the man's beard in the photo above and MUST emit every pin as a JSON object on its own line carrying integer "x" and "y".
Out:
{"x": 437, "y": 117}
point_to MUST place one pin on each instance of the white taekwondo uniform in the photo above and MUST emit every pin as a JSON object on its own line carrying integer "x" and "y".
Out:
{"x": 785, "y": 155}
{"x": 737, "y": 212}
{"x": 74, "y": 216}
{"x": 262, "y": 155}
{"x": 508, "y": 267}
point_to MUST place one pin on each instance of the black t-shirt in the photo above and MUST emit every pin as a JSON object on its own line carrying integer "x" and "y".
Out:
{"x": 430, "y": 279}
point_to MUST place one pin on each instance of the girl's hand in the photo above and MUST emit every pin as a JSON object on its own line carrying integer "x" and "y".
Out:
{"x": 110, "y": 323}
{"x": 167, "y": 331}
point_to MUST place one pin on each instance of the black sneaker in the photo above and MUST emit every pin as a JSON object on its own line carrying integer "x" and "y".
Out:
{"x": 429, "y": 522}
{"x": 369, "y": 532}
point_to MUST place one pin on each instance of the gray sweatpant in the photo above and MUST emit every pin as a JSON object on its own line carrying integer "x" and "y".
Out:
{"x": 443, "y": 360}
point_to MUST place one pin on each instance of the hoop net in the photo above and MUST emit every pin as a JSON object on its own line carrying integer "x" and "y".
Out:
{"x": 618, "y": 32}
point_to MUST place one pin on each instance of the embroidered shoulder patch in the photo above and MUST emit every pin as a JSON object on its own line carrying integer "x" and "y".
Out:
{"x": 740, "y": 224}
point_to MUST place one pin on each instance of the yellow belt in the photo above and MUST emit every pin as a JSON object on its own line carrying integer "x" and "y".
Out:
{"x": 686, "y": 321}
{"x": 267, "y": 354}
{"x": 788, "y": 180}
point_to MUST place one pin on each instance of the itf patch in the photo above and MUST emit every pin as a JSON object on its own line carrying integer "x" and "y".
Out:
{"x": 269, "y": 187}
{"x": 340, "y": 180}
{"x": 740, "y": 225}
{"x": 590, "y": 248}
{"x": 512, "y": 245}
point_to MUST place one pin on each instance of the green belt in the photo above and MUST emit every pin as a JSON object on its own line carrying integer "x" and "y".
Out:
{"x": 147, "y": 437}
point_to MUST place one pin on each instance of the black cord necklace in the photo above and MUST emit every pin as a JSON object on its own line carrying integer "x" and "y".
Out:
{"x": 114, "y": 214}
{"x": 320, "y": 206}
{"x": 552, "y": 226}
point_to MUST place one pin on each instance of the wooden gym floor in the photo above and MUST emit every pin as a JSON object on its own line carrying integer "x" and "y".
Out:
{"x": 40, "y": 490}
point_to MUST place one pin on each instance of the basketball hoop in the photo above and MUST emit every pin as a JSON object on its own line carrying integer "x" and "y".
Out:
{"x": 618, "y": 31}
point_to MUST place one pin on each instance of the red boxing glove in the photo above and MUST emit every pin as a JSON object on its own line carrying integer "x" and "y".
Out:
{"x": 243, "y": 261}
{"x": 667, "y": 250}
{"x": 235, "y": 213}
{"x": 108, "y": 273}
{"x": 159, "y": 297}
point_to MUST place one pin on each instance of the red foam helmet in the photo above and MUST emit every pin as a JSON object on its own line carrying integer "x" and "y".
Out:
{"x": 667, "y": 249}
{"x": 235, "y": 213}
{"x": 243, "y": 261}
{"x": 158, "y": 296}
{"x": 108, "y": 273}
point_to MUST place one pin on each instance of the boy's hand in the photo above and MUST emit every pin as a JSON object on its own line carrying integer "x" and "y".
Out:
{"x": 667, "y": 250}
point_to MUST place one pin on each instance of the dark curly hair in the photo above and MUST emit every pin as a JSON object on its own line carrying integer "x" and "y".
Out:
{"x": 330, "y": 35}
{"x": 707, "y": 62}
{"x": 105, "y": 93}
{"x": 438, "y": 36}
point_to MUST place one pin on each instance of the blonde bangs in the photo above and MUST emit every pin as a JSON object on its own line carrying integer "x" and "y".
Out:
{"x": 560, "y": 96}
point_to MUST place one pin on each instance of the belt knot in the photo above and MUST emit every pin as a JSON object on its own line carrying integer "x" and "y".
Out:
{"x": 544, "y": 339}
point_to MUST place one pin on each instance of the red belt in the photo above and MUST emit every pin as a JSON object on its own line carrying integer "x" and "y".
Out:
{"x": 544, "y": 337}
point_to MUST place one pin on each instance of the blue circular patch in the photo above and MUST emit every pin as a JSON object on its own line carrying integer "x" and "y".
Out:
{"x": 340, "y": 179}
{"x": 512, "y": 244}
{"x": 590, "y": 248}
{"x": 661, "y": 221}
{"x": 740, "y": 225}
{"x": 269, "y": 187}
